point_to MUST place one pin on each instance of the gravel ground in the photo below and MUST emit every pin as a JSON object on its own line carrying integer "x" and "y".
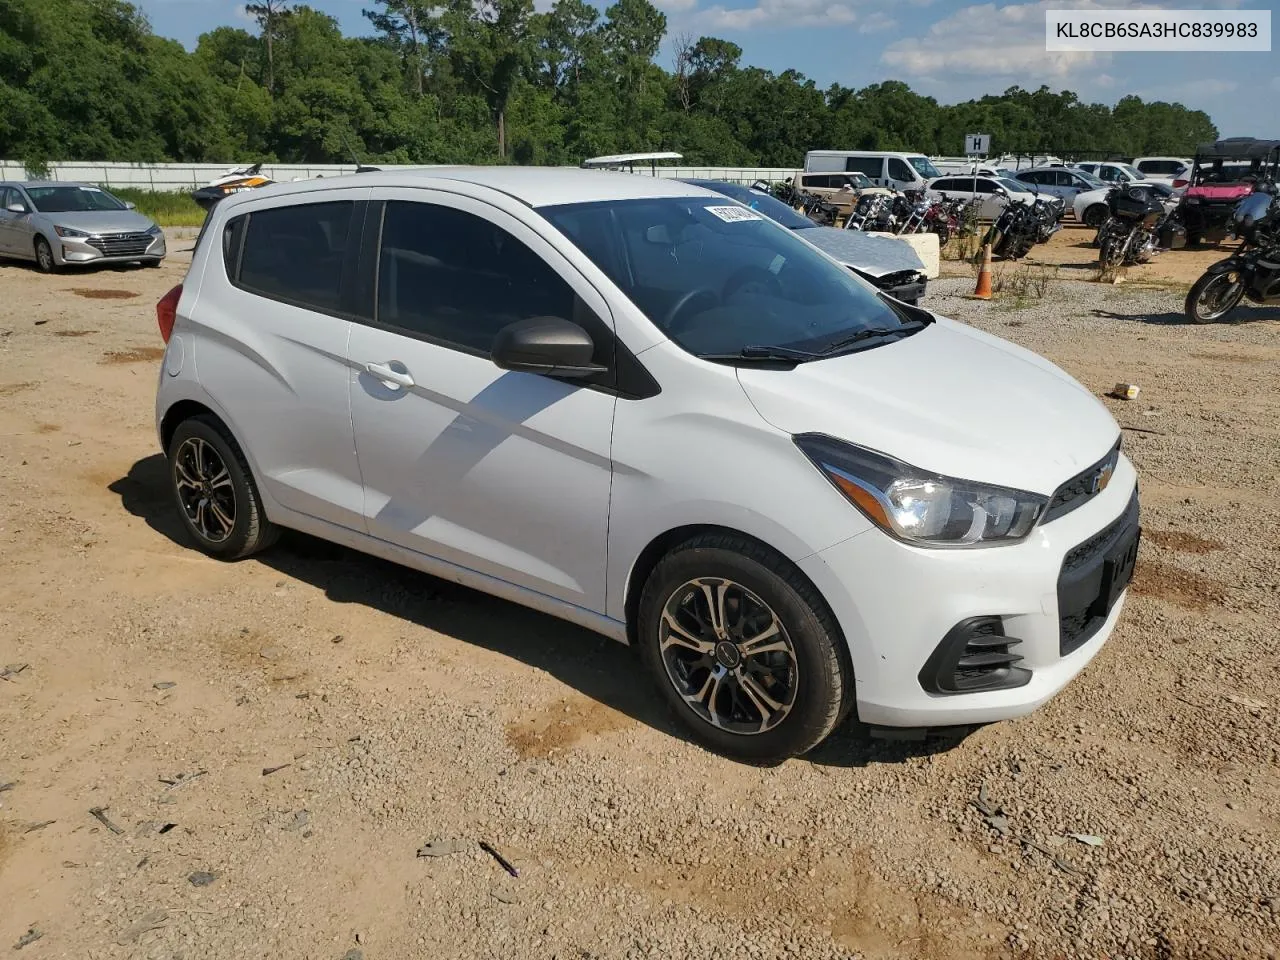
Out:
{"x": 342, "y": 714}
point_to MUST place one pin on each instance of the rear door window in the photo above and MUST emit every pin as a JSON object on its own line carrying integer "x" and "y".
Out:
{"x": 296, "y": 254}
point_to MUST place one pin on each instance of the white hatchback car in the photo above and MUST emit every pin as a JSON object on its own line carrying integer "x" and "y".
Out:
{"x": 646, "y": 409}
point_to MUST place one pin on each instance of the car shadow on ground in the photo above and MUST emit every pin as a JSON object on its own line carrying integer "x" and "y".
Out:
{"x": 597, "y": 667}
{"x": 1237, "y": 317}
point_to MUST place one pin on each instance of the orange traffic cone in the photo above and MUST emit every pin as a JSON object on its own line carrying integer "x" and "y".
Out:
{"x": 983, "y": 290}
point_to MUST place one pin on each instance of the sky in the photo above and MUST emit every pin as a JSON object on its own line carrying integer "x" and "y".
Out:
{"x": 952, "y": 50}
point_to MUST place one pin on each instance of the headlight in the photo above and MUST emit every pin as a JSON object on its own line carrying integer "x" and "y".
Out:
{"x": 70, "y": 232}
{"x": 155, "y": 231}
{"x": 921, "y": 507}
{"x": 1192, "y": 199}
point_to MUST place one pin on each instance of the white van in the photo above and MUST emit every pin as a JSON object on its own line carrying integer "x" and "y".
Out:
{"x": 902, "y": 171}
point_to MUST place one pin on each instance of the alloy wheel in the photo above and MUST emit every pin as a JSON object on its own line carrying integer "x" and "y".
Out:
{"x": 205, "y": 490}
{"x": 45, "y": 255}
{"x": 728, "y": 655}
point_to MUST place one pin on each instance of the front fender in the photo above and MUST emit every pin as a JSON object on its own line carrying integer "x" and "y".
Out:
{"x": 1229, "y": 265}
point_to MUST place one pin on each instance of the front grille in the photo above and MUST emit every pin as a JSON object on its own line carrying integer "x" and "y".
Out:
{"x": 1081, "y": 605}
{"x": 1083, "y": 487}
{"x": 121, "y": 244}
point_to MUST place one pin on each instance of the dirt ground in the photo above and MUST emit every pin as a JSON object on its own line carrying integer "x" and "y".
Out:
{"x": 271, "y": 744}
{"x": 1071, "y": 251}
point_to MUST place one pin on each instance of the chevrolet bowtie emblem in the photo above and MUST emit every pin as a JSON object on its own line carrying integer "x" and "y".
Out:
{"x": 1102, "y": 478}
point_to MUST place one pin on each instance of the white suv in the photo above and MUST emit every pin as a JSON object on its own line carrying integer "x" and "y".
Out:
{"x": 646, "y": 409}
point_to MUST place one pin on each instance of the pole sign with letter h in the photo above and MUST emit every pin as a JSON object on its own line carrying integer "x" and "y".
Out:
{"x": 976, "y": 144}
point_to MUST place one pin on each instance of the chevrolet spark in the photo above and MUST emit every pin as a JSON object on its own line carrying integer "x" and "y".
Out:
{"x": 641, "y": 407}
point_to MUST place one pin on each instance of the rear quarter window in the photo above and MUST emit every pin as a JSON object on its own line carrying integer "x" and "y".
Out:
{"x": 870, "y": 166}
{"x": 296, "y": 254}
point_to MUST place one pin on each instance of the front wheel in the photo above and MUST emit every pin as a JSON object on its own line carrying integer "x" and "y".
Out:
{"x": 1214, "y": 296}
{"x": 1095, "y": 215}
{"x": 44, "y": 256}
{"x": 744, "y": 649}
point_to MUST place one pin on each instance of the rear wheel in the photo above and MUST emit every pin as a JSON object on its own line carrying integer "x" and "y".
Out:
{"x": 1213, "y": 297}
{"x": 744, "y": 649}
{"x": 215, "y": 491}
{"x": 44, "y": 256}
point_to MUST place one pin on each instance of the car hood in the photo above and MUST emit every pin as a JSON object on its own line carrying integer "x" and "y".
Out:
{"x": 875, "y": 256}
{"x": 102, "y": 221}
{"x": 949, "y": 399}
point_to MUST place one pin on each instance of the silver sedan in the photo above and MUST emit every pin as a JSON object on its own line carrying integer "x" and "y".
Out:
{"x": 61, "y": 224}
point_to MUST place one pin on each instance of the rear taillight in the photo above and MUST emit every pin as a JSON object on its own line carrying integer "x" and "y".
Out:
{"x": 167, "y": 311}
{"x": 1180, "y": 183}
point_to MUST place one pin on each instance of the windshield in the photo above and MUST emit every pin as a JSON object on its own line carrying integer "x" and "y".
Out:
{"x": 771, "y": 207}
{"x": 717, "y": 277}
{"x": 1089, "y": 178}
{"x": 1130, "y": 171}
{"x": 860, "y": 180}
{"x": 72, "y": 199}
{"x": 924, "y": 167}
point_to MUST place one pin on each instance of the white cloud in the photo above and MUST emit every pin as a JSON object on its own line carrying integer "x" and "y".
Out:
{"x": 990, "y": 41}
{"x": 876, "y": 22}
{"x": 784, "y": 13}
{"x": 675, "y": 6}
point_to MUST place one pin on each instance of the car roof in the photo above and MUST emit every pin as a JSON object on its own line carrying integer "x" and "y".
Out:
{"x": 1237, "y": 148}
{"x": 533, "y": 186}
{"x": 43, "y": 183}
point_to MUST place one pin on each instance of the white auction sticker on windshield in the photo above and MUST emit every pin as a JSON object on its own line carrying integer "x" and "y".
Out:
{"x": 733, "y": 214}
{"x": 90, "y": 189}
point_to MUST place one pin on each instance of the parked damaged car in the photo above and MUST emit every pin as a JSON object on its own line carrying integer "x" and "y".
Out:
{"x": 63, "y": 224}
{"x": 890, "y": 265}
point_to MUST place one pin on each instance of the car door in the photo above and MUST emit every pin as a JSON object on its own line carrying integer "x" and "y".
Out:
{"x": 7, "y": 218}
{"x": 991, "y": 200}
{"x": 900, "y": 175}
{"x": 270, "y": 345}
{"x": 501, "y": 472}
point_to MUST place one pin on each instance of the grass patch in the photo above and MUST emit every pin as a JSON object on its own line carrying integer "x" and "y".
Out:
{"x": 175, "y": 209}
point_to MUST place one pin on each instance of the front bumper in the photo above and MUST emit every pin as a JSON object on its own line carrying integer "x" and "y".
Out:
{"x": 108, "y": 248}
{"x": 896, "y": 603}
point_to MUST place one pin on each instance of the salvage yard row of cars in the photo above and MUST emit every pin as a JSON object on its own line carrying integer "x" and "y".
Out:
{"x": 667, "y": 411}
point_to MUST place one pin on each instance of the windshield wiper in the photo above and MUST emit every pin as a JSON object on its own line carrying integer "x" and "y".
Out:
{"x": 766, "y": 354}
{"x": 870, "y": 332}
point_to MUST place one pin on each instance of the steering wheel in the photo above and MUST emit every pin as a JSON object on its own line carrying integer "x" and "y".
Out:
{"x": 697, "y": 294}
{"x": 755, "y": 280}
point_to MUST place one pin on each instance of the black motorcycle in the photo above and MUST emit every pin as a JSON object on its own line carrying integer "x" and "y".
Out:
{"x": 1048, "y": 216}
{"x": 1130, "y": 233}
{"x": 1014, "y": 232}
{"x": 1253, "y": 271}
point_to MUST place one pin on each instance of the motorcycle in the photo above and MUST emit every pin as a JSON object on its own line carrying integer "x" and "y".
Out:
{"x": 1253, "y": 271}
{"x": 1014, "y": 232}
{"x": 234, "y": 180}
{"x": 872, "y": 212}
{"x": 1130, "y": 234}
{"x": 1048, "y": 212}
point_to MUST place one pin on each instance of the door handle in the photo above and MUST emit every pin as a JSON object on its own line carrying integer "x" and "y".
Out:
{"x": 386, "y": 374}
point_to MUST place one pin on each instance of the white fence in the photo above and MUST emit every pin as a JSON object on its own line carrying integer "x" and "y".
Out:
{"x": 188, "y": 176}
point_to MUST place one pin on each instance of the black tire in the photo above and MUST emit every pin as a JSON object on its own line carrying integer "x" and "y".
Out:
{"x": 1196, "y": 311}
{"x": 1096, "y": 215}
{"x": 152, "y": 263}
{"x": 1193, "y": 238}
{"x": 250, "y": 530}
{"x": 821, "y": 687}
{"x": 44, "y": 256}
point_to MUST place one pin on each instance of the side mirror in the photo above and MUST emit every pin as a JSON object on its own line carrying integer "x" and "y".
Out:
{"x": 551, "y": 346}
{"x": 16, "y": 208}
{"x": 130, "y": 205}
